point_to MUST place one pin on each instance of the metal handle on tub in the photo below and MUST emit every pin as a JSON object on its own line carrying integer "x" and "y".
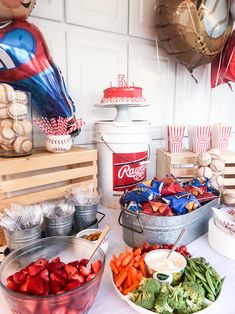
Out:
{"x": 141, "y": 228}
{"x": 102, "y": 214}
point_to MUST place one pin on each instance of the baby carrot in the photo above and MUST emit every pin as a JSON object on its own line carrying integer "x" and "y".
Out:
{"x": 114, "y": 267}
{"x": 114, "y": 257}
{"x": 120, "y": 259}
{"x": 131, "y": 288}
{"x": 140, "y": 275}
{"x": 133, "y": 274}
{"x": 120, "y": 289}
{"x": 136, "y": 264}
{"x": 142, "y": 268}
{"x": 128, "y": 251}
{"x": 137, "y": 258}
{"x": 125, "y": 284}
{"x": 129, "y": 278}
{"x": 126, "y": 260}
{"x": 131, "y": 262}
{"x": 121, "y": 278}
{"x": 137, "y": 251}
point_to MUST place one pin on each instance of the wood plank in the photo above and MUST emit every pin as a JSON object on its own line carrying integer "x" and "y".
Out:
{"x": 44, "y": 160}
{"x": 44, "y": 179}
{"x": 229, "y": 181}
{"x": 229, "y": 170}
{"x": 181, "y": 172}
{"x": 41, "y": 196}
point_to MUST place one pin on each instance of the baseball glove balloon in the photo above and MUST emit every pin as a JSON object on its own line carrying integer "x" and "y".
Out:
{"x": 193, "y": 31}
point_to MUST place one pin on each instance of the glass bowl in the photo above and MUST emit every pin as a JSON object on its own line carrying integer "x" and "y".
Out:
{"x": 77, "y": 301}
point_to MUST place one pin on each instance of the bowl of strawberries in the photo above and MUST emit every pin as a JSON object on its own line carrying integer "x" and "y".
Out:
{"x": 52, "y": 276}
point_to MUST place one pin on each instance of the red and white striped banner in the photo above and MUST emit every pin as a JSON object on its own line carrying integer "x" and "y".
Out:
{"x": 202, "y": 138}
{"x": 175, "y": 135}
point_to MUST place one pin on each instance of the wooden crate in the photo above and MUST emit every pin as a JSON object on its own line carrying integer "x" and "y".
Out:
{"x": 44, "y": 176}
{"x": 182, "y": 166}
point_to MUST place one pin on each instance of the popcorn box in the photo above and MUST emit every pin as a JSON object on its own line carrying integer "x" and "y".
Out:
{"x": 175, "y": 136}
{"x": 220, "y": 135}
{"x": 199, "y": 138}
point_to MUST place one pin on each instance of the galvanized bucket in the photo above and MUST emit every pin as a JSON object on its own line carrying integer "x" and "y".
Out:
{"x": 85, "y": 216}
{"x": 138, "y": 228}
{"x": 59, "y": 226}
{"x": 18, "y": 239}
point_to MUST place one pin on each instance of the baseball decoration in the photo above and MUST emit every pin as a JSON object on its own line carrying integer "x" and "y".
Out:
{"x": 58, "y": 138}
{"x": 26, "y": 64}
{"x": 194, "y": 32}
{"x": 229, "y": 197}
{"x": 212, "y": 166}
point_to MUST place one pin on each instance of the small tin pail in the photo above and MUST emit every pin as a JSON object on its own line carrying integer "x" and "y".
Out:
{"x": 20, "y": 238}
{"x": 59, "y": 226}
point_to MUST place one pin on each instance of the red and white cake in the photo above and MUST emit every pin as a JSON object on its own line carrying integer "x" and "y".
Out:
{"x": 123, "y": 94}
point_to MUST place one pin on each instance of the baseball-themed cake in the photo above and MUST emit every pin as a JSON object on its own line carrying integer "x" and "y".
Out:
{"x": 123, "y": 93}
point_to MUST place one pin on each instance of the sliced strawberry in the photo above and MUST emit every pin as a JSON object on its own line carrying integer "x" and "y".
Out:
{"x": 78, "y": 277}
{"x": 59, "y": 279}
{"x": 91, "y": 276}
{"x": 60, "y": 292}
{"x": 72, "y": 284}
{"x": 12, "y": 286}
{"x": 60, "y": 310}
{"x": 96, "y": 266}
{"x": 46, "y": 288}
{"x": 52, "y": 266}
{"x": 10, "y": 279}
{"x": 83, "y": 262}
{"x": 24, "y": 286}
{"x": 74, "y": 263}
{"x": 19, "y": 277}
{"x": 71, "y": 270}
{"x": 35, "y": 269}
{"x": 84, "y": 271}
{"x": 56, "y": 260}
{"x": 42, "y": 262}
{"x": 36, "y": 286}
{"x": 45, "y": 275}
{"x": 62, "y": 273}
{"x": 54, "y": 287}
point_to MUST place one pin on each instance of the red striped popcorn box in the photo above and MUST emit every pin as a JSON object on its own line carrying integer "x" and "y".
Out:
{"x": 199, "y": 138}
{"x": 220, "y": 135}
{"x": 175, "y": 135}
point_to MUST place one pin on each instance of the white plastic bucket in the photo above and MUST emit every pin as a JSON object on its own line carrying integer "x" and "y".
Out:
{"x": 123, "y": 153}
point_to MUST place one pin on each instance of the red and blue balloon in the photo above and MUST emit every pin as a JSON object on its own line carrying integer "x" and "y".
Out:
{"x": 26, "y": 63}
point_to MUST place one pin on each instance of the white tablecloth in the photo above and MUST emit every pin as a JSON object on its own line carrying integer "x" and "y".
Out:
{"x": 108, "y": 302}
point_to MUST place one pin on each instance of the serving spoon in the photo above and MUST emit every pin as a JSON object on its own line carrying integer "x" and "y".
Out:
{"x": 177, "y": 241}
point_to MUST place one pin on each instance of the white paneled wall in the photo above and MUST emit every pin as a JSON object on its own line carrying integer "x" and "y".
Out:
{"x": 93, "y": 41}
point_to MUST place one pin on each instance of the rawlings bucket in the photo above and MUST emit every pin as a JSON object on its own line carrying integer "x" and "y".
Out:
{"x": 123, "y": 153}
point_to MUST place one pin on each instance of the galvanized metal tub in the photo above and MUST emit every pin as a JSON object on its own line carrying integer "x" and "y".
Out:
{"x": 18, "y": 239}
{"x": 59, "y": 226}
{"x": 138, "y": 228}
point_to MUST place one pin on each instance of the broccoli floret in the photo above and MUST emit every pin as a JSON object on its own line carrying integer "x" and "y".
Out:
{"x": 194, "y": 292}
{"x": 162, "y": 306}
{"x": 150, "y": 285}
{"x": 146, "y": 300}
{"x": 176, "y": 298}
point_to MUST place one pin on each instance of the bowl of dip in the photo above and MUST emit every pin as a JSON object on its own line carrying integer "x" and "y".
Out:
{"x": 165, "y": 270}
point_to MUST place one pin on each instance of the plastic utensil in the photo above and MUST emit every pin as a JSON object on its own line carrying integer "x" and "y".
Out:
{"x": 177, "y": 241}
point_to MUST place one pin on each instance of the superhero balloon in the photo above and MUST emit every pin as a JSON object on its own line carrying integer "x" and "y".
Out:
{"x": 223, "y": 67}
{"x": 25, "y": 62}
{"x": 194, "y": 32}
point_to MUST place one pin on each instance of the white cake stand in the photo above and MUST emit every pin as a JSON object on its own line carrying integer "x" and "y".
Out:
{"x": 123, "y": 114}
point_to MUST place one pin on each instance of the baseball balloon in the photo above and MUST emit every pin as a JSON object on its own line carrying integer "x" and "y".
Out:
{"x": 204, "y": 159}
{"x": 194, "y": 32}
{"x": 217, "y": 181}
{"x": 229, "y": 197}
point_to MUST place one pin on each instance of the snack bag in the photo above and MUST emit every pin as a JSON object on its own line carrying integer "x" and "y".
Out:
{"x": 182, "y": 203}
{"x": 134, "y": 207}
{"x": 141, "y": 193}
{"x": 201, "y": 193}
{"x": 156, "y": 209}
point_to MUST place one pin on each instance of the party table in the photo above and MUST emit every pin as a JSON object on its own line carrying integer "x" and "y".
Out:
{"x": 107, "y": 301}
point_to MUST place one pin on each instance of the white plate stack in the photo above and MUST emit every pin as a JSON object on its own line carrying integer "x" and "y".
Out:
{"x": 221, "y": 233}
